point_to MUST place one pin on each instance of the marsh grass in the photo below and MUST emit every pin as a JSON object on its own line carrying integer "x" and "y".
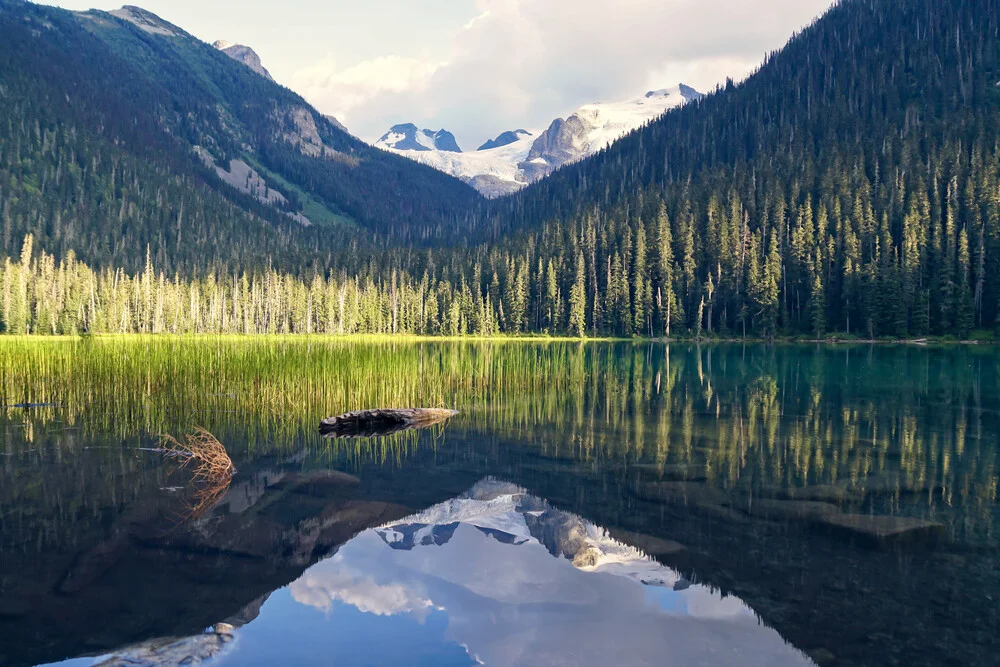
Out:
{"x": 749, "y": 416}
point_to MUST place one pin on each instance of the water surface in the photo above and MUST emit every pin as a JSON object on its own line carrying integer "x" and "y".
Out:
{"x": 591, "y": 504}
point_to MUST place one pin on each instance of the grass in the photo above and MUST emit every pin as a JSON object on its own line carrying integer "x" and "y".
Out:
{"x": 751, "y": 414}
{"x": 317, "y": 212}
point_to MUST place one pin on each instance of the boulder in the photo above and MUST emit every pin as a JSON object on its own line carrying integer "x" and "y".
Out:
{"x": 785, "y": 510}
{"x": 881, "y": 532}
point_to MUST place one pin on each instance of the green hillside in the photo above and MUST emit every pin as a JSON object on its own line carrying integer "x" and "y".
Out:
{"x": 113, "y": 131}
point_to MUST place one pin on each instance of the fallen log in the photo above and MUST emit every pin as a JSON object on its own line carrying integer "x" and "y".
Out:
{"x": 382, "y": 421}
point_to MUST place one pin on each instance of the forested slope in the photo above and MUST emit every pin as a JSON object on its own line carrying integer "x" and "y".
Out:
{"x": 852, "y": 184}
{"x": 111, "y": 131}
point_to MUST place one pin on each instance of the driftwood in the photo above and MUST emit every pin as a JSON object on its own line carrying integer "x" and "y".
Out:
{"x": 386, "y": 421}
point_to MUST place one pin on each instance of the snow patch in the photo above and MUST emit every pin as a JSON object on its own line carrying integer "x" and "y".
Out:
{"x": 516, "y": 158}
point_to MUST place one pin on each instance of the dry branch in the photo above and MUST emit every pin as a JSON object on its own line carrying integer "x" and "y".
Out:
{"x": 203, "y": 451}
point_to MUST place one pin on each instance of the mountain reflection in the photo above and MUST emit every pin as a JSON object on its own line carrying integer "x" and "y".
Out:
{"x": 779, "y": 469}
{"x": 522, "y": 583}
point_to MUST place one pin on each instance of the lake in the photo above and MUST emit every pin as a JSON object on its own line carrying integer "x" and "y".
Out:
{"x": 591, "y": 504}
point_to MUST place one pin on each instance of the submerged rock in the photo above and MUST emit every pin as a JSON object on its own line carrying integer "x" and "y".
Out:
{"x": 827, "y": 493}
{"x": 688, "y": 493}
{"x": 884, "y": 531}
{"x": 383, "y": 421}
{"x": 786, "y": 510}
{"x": 651, "y": 546}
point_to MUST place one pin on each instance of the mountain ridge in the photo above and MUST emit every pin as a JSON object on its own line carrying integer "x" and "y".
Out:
{"x": 517, "y": 158}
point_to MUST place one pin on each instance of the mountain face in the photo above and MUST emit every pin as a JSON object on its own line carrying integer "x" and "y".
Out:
{"x": 503, "y": 139}
{"x": 516, "y": 158}
{"x": 408, "y": 137}
{"x": 245, "y": 55}
{"x": 336, "y": 123}
{"x": 595, "y": 126}
{"x": 168, "y": 143}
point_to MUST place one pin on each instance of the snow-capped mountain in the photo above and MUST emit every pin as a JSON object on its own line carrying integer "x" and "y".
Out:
{"x": 594, "y": 127}
{"x": 513, "y": 580}
{"x": 515, "y": 158}
{"x": 492, "y": 171}
{"x": 503, "y": 139}
{"x": 245, "y": 55}
{"x": 408, "y": 137}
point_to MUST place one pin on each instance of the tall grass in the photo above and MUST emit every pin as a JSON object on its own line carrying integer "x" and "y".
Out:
{"x": 752, "y": 416}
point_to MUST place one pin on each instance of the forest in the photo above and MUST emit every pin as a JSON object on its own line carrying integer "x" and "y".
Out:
{"x": 851, "y": 185}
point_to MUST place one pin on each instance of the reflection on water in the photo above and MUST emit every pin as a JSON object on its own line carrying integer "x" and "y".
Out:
{"x": 846, "y": 495}
{"x": 518, "y": 582}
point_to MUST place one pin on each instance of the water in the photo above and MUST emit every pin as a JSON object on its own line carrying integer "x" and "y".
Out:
{"x": 591, "y": 504}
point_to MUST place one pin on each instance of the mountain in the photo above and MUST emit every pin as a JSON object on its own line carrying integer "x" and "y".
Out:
{"x": 491, "y": 171}
{"x": 594, "y": 127}
{"x": 245, "y": 55}
{"x": 407, "y": 137}
{"x": 516, "y": 158}
{"x": 138, "y": 135}
{"x": 336, "y": 123}
{"x": 847, "y": 185}
{"x": 503, "y": 139}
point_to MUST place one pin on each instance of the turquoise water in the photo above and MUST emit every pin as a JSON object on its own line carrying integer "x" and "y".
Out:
{"x": 591, "y": 504}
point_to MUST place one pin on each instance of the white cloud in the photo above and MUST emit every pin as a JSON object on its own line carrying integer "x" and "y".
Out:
{"x": 523, "y": 62}
{"x": 330, "y": 581}
{"x": 338, "y": 90}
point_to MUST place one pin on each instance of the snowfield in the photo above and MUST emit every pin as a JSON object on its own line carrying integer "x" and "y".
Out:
{"x": 506, "y": 169}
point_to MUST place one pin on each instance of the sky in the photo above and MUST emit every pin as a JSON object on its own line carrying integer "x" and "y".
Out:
{"x": 480, "y": 67}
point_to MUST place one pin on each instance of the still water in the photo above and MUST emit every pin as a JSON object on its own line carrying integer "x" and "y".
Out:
{"x": 592, "y": 504}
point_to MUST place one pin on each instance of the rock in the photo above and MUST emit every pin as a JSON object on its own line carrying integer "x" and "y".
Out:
{"x": 822, "y": 657}
{"x": 586, "y": 557}
{"x": 682, "y": 472}
{"x": 884, "y": 531}
{"x": 891, "y": 484}
{"x": 243, "y": 54}
{"x": 688, "y": 493}
{"x": 651, "y": 546}
{"x": 786, "y": 510}
{"x": 827, "y": 493}
{"x": 682, "y": 584}
{"x": 223, "y": 629}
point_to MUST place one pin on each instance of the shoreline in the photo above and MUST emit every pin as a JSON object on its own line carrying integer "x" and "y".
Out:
{"x": 528, "y": 338}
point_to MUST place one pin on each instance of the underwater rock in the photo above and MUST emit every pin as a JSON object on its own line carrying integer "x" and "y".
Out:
{"x": 679, "y": 472}
{"x": 383, "y": 421}
{"x": 881, "y": 532}
{"x": 827, "y": 493}
{"x": 786, "y": 510}
{"x": 688, "y": 493}
{"x": 822, "y": 657}
{"x": 892, "y": 484}
{"x": 649, "y": 545}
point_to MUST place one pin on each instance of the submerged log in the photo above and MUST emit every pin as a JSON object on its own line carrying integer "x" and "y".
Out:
{"x": 383, "y": 421}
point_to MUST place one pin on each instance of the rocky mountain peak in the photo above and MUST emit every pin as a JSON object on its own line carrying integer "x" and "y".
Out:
{"x": 408, "y": 137}
{"x": 245, "y": 55}
{"x": 504, "y": 139}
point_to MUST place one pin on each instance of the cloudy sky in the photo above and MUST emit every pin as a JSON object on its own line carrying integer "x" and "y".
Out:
{"x": 479, "y": 67}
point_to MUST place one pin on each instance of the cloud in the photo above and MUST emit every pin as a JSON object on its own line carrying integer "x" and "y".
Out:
{"x": 523, "y": 62}
{"x": 331, "y": 581}
{"x": 338, "y": 90}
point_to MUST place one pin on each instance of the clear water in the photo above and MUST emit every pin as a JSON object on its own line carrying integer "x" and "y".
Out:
{"x": 591, "y": 504}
